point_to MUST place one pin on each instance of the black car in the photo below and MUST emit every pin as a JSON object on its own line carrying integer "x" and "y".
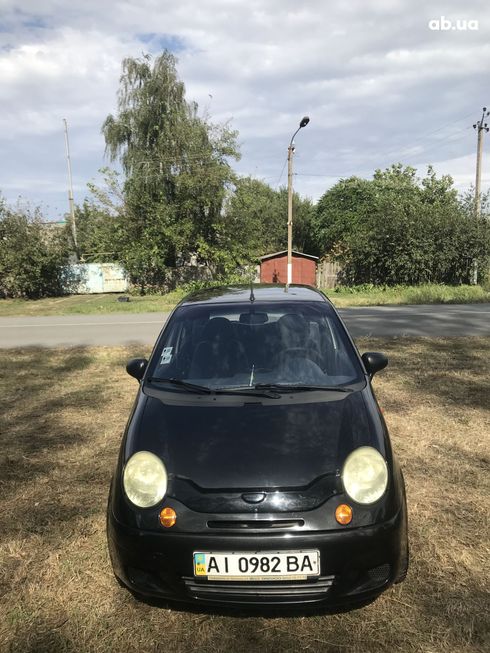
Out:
{"x": 256, "y": 467}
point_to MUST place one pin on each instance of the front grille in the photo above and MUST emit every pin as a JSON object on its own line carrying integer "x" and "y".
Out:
{"x": 259, "y": 592}
{"x": 256, "y": 523}
{"x": 230, "y": 501}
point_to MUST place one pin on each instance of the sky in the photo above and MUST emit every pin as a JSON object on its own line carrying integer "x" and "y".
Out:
{"x": 381, "y": 80}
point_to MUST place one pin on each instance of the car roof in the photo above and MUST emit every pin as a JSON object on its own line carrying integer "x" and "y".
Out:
{"x": 261, "y": 292}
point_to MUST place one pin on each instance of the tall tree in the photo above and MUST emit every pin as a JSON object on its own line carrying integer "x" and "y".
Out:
{"x": 176, "y": 168}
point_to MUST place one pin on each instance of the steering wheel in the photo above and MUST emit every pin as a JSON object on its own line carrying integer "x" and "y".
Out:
{"x": 291, "y": 352}
{"x": 298, "y": 367}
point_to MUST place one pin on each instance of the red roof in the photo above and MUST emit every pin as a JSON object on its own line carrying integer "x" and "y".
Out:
{"x": 285, "y": 251}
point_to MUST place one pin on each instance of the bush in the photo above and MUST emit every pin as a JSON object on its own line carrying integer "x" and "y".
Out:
{"x": 32, "y": 257}
{"x": 398, "y": 229}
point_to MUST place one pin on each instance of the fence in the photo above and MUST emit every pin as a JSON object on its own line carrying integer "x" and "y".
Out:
{"x": 327, "y": 273}
{"x": 92, "y": 278}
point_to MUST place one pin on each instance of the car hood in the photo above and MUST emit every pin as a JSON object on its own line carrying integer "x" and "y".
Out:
{"x": 254, "y": 445}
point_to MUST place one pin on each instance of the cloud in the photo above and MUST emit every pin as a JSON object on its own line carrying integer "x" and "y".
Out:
{"x": 69, "y": 74}
{"x": 378, "y": 84}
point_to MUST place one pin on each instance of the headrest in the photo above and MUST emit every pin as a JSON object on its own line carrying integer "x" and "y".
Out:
{"x": 293, "y": 323}
{"x": 217, "y": 327}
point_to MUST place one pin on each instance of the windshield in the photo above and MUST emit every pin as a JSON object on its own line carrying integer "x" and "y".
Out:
{"x": 246, "y": 345}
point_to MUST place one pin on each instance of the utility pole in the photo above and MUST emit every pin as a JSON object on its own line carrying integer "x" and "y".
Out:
{"x": 304, "y": 121}
{"x": 480, "y": 127}
{"x": 70, "y": 191}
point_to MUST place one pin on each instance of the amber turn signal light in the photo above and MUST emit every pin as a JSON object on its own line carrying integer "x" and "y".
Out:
{"x": 343, "y": 514}
{"x": 168, "y": 517}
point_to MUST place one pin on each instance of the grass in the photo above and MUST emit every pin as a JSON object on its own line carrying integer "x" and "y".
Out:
{"x": 90, "y": 304}
{"x": 341, "y": 297}
{"x": 423, "y": 294}
{"x": 60, "y": 428}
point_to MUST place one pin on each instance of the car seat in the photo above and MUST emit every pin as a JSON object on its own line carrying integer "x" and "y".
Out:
{"x": 219, "y": 354}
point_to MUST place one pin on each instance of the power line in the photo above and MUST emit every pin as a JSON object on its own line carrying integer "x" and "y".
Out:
{"x": 393, "y": 151}
{"x": 282, "y": 172}
{"x": 456, "y": 137}
{"x": 315, "y": 174}
{"x": 424, "y": 136}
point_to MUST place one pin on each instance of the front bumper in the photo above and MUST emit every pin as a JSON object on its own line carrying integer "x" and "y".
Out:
{"x": 356, "y": 564}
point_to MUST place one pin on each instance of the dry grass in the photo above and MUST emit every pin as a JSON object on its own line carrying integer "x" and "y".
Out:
{"x": 62, "y": 417}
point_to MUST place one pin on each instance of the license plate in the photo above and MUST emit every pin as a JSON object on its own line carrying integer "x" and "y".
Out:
{"x": 261, "y": 565}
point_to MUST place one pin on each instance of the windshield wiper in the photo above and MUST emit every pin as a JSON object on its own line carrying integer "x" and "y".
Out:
{"x": 286, "y": 387}
{"x": 192, "y": 387}
{"x": 204, "y": 389}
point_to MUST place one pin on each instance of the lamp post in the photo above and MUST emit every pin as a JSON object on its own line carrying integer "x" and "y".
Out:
{"x": 303, "y": 123}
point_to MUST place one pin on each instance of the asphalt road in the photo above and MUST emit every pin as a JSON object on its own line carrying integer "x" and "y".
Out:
{"x": 143, "y": 328}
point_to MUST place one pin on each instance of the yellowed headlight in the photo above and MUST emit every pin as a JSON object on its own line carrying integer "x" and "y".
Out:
{"x": 365, "y": 475}
{"x": 145, "y": 479}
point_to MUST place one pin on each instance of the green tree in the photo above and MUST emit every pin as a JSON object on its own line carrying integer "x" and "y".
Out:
{"x": 100, "y": 221}
{"x": 176, "y": 168}
{"x": 477, "y": 231}
{"x": 98, "y": 233}
{"x": 32, "y": 255}
{"x": 397, "y": 228}
{"x": 258, "y": 213}
{"x": 254, "y": 211}
{"x": 303, "y": 212}
{"x": 338, "y": 213}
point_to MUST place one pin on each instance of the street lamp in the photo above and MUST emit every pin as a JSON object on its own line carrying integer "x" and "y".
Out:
{"x": 304, "y": 121}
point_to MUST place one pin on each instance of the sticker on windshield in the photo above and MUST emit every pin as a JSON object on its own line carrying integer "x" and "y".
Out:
{"x": 166, "y": 356}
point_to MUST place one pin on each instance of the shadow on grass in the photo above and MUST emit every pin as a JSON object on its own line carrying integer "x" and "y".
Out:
{"x": 33, "y": 428}
{"x": 454, "y": 370}
{"x": 54, "y": 402}
{"x": 451, "y": 601}
{"x": 64, "y": 417}
{"x": 245, "y": 612}
{"x": 44, "y": 638}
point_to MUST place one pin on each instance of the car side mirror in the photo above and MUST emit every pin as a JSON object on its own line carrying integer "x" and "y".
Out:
{"x": 136, "y": 367}
{"x": 374, "y": 362}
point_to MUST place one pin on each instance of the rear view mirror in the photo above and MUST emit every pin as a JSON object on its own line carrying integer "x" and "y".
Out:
{"x": 253, "y": 318}
{"x": 374, "y": 362}
{"x": 136, "y": 367}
